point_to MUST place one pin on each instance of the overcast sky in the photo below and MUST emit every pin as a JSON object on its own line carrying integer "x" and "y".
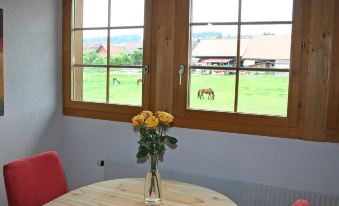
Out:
{"x": 131, "y": 13}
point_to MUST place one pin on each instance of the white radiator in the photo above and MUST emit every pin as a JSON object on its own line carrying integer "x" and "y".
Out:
{"x": 242, "y": 193}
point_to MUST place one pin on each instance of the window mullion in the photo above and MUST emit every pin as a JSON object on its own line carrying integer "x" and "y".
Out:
{"x": 238, "y": 60}
{"x": 108, "y": 52}
{"x": 78, "y": 46}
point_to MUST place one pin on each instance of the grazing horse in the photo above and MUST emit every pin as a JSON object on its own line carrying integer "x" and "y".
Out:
{"x": 115, "y": 80}
{"x": 208, "y": 91}
{"x": 139, "y": 81}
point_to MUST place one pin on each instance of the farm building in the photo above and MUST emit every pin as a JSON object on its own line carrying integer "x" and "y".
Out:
{"x": 266, "y": 51}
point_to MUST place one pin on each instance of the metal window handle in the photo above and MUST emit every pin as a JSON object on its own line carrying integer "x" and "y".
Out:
{"x": 181, "y": 72}
{"x": 145, "y": 72}
{"x": 146, "y": 69}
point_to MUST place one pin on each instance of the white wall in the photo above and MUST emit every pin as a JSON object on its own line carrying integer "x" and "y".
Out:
{"x": 294, "y": 164}
{"x": 32, "y": 62}
{"x": 33, "y": 122}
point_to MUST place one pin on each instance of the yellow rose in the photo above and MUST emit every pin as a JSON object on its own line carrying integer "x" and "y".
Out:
{"x": 146, "y": 114}
{"x": 165, "y": 117}
{"x": 138, "y": 120}
{"x": 151, "y": 122}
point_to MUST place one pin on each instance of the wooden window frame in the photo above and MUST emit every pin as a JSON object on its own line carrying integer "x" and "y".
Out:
{"x": 236, "y": 122}
{"x": 99, "y": 110}
{"x": 311, "y": 116}
{"x": 333, "y": 105}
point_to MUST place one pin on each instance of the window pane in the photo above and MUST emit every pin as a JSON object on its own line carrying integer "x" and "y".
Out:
{"x": 127, "y": 46}
{"x": 267, "y": 10}
{"x": 126, "y": 86}
{"x": 263, "y": 93}
{"x": 215, "y": 10}
{"x": 214, "y": 45}
{"x": 90, "y": 47}
{"x": 95, "y": 13}
{"x": 267, "y": 46}
{"x": 212, "y": 90}
{"x": 94, "y": 84}
{"x": 127, "y": 12}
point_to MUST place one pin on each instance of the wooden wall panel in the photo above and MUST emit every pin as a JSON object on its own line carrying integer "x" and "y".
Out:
{"x": 320, "y": 48}
{"x": 162, "y": 53}
{"x": 333, "y": 103}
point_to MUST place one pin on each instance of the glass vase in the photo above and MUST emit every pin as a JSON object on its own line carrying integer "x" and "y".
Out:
{"x": 153, "y": 183}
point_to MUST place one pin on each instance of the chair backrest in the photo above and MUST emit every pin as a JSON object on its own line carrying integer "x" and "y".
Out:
{"x": 35, "y": 180}
{"x": 301, "y": 202}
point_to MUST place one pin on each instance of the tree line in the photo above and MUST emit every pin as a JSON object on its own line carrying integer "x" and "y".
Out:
{"x": 123, "y": 58}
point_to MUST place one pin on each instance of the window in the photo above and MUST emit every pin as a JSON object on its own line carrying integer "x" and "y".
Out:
{"x": 108, "y": 56}
{"x": 243, "y": 63}
{"x": 240, "y": 59}
{"x": 264, "y": 60}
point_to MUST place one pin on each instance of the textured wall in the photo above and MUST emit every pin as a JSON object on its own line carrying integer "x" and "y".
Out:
{"x": 294, "y": 164}
{"x": 32, "y": 62}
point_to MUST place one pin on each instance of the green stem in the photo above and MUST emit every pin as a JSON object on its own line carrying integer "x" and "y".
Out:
{"x": 158, "y": 185}
{"x": 153, "y": 160}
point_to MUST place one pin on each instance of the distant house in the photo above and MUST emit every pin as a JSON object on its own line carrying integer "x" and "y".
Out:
{"x": 267, "y": 51}
{"x": 101, "y": 48}
{"x": 218, "y": 51}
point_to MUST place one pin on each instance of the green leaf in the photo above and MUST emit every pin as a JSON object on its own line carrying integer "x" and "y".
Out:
{"x": 142, "y": 154}
{"x": 171, "y": 140}
{"x": 162, "y": 149}
{"x": 155, "y": 146}
{"x": 143, "y": 132}
{"x": 161, "y": 138}
{"x": 142, "y": 148}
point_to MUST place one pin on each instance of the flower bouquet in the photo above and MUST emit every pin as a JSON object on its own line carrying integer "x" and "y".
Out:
{"x": 153, "y": 140}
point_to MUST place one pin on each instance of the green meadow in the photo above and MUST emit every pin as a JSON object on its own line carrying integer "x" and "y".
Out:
{"x": 258, "y": 93}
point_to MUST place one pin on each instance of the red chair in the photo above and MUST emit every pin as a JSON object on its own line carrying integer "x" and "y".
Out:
{"x": 35, "y": 180}
{"x": 301, "y": 202}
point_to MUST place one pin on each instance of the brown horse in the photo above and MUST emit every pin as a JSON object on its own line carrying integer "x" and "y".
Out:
{"x": 139, "y": 81}
{"x": 208, "y": 91}
{"x": 116, "y": 81}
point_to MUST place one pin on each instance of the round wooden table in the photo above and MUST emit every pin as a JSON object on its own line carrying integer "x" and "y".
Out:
{"x": 130, "y": 192}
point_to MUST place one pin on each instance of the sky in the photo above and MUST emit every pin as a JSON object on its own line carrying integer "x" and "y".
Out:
{"x": 123, "y": 13}
{"x": 131, "y": 13}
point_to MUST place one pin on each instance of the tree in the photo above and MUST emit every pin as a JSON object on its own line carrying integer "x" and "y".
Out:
{"x": 89, "y": 57}
{"x": 137, "y": 57}
{"x": 92, "y": 57}
{"x": 121, "y": 59}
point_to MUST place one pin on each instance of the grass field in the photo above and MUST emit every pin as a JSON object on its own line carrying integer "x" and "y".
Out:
{"x": 258, "y": 94}
{"x": 127, "y": 92}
